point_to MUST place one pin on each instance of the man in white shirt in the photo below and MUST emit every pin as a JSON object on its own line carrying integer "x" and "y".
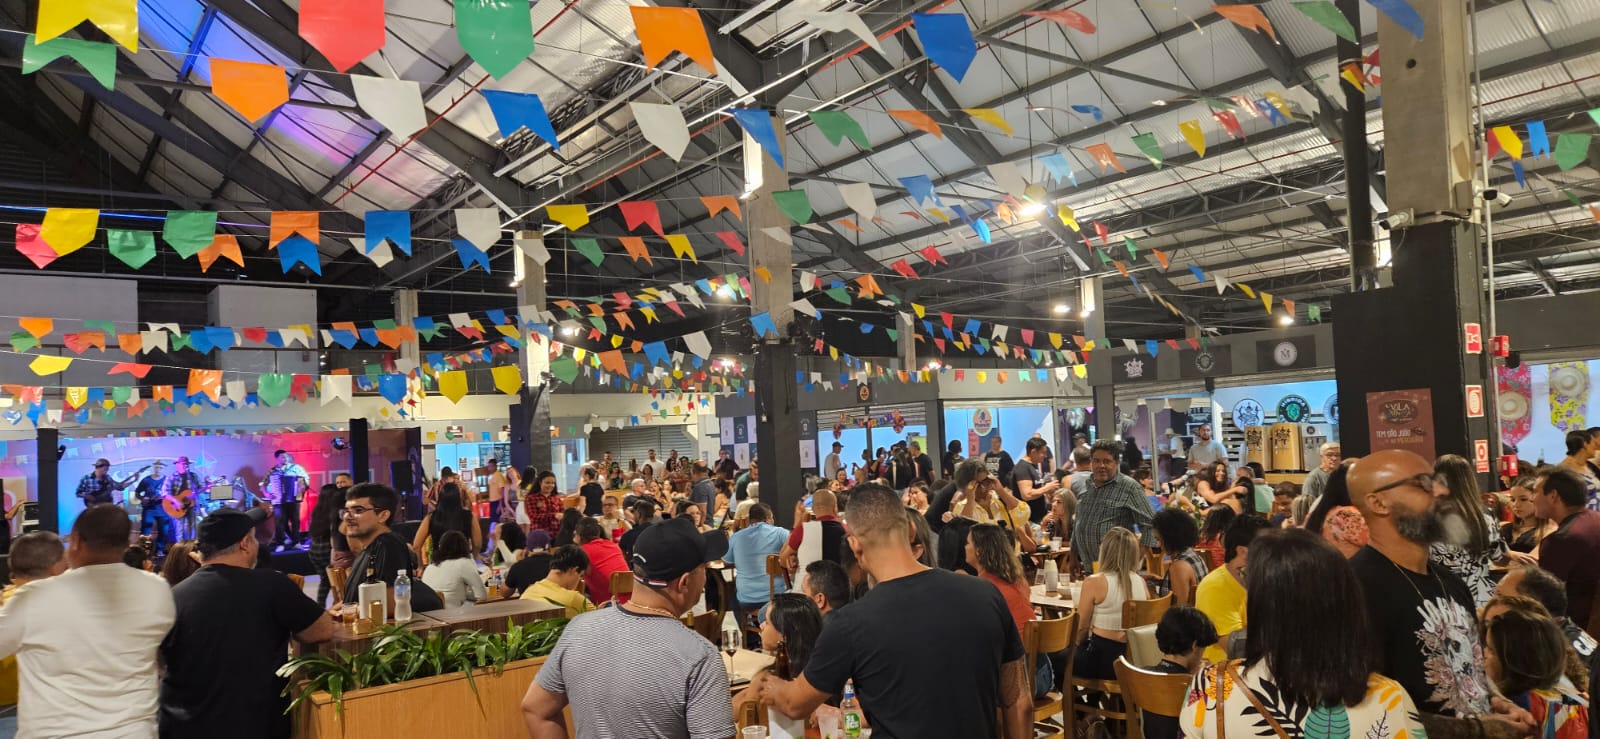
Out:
{"x": 652, "y": 468}
{"x": 86, "y": 640}
{"x": 830, "y": 464}
{"x": 1206, "y": 450}
{"x": 1177, "y": 457}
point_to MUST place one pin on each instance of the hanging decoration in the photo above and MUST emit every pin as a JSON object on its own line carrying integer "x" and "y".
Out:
{"x": 497, "y": 34}
{"x": 514, "y": 111}
{"x": 947, "y": 41}
{"x": 119, "y": 19}
{"x": 344, "y": 31}
{"x": 252, "y": 89}
{"x": 665, "y": 30}
{"x": 98, "y": 59}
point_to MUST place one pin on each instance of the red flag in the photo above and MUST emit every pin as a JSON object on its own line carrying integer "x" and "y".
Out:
{"x": 904, "y": 268}
{"x": 345, "y": 31}
{"x": 637, "y": 212}
{"x": 1230, "y": 123}
{"x": 1101, "y": 231}
{"x": 949, "y": 320}
{"x": 1193, "y": 343}
{"x": 931, "y": 253}
{"x": 731, "y": 239}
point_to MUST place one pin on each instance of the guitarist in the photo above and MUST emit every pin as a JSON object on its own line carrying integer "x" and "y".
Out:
{"x": 154, "y": 521}
{"x": 178, "y": 491}
{"x": 97, "y": 486}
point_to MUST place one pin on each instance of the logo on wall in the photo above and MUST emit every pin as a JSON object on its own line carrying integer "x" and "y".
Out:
{"x": 1293, "y": 409}
{"x": 982, "y": 422}
{"x": 1331, "y": 410}
{"x": 864, "y": 393}
{"x": 1134, "y": 369}
{"x": 1247, "y": 413}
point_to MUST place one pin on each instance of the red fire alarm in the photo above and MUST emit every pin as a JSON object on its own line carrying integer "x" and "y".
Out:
{"x": 1500, "y": 346}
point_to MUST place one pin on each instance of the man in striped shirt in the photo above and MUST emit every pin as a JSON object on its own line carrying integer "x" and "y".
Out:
{"x": 1108, "y": 499}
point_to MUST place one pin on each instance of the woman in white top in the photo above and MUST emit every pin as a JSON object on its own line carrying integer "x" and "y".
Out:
{"x": 1100, "y": 605}
{"x": 453, "y": 575}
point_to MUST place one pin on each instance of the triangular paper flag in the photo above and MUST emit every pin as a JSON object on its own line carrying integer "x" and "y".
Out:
{"x": 1105, "y": 157}
{"x": 251, "y": 88}
{"x": 1194, "y": 137}
{"x": 681, "y": 248}
{"x": 497, "y": 35}
{"x": 663, "y": 126}
{"x": 67, "y": 230}
{"x": 636, "y": 213}
{"x": 947, "y": 41}
{"x": 665, "y": 30}
{"x": 1248, "y": 17}
{"x": 1402, "y": 14}
{"x": 514, "y": 111}
{"x": 757, "y": 123}
{"x": 133, "y": 248}
{"x": 391, "y": 225}
{"x": 284, "y": 224}
{"x": 531, "y": 243}
{"x": 1506, "y": 137}
{"x": 1327, "y": 15}
{"x": 731, "y": 240}
{"x": 345, "y": 31}
{"x": 858, "y": 195}
{"x": 32, "y": 246}
{"x": 1070, "y": 18}
{"x": 838, "y": 21}
{"x": 635, "y": 248}
{"x": 98, "y": 59}
{"x": 119, "y": 19}
{"x": 716, "y": 204}
{"x": 222, "y": 246}
{"x": 837, "y": 125}
{"x": 1150, "y": 148}
{"x": 189, "y": 231}
{"x": 794, "y": 204}
{"x": 918, "y": 120}
{"x": 1572, "y": 149}
{"x": 573, "y": 217}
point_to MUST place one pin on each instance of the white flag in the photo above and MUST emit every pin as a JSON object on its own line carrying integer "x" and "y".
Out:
{"x": 663, "y": 126}
{"x": 397, "y": 104}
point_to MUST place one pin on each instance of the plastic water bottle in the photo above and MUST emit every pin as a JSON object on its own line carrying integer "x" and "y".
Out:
{"x": 402, "y": 597}
{"x": 850, "y": 711}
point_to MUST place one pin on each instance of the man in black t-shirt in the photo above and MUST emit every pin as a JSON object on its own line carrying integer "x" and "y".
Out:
{"x": 1030, "y": 477}
{"x": 229, "y": 638}
{"x": 368, "y": 509}
{"x": 998, "y": 461}
{"x": 941, "y": 676}
{"x": 1421, "y": 614}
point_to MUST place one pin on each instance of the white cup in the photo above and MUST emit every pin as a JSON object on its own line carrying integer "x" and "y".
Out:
{"x": 753, "y": 732}
{"x": 1055, "y": 544}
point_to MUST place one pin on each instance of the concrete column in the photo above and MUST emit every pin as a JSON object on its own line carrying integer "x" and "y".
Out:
{"x": 1100, "y": 385}
{"x": 1438, "y": 266}
{"x": 777, "y": 414}
{"x": 405, "y": 312}
{"x": 530, "y": 416}
{"x": 907, "y": 343}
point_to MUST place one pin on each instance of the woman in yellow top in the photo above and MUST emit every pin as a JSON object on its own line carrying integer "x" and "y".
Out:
{"x": 983, "y": 499}
{"x": 564, "y": 585}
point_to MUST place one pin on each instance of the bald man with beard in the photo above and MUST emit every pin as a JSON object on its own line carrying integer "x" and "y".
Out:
{"x": 1421, "y": 614}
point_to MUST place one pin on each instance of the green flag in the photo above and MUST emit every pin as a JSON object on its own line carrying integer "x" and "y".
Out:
{"x": 1572, "y": 198}
{"x": 1133, "y": 250}
{"x": 794, "y": 204}
{"x": 189, "y": 231}
{"x": 839, "y": 295}
{"x": 272, "y": 389}
{"x": 109, "y": 327}
{"x": 134, "y": 248}
{"x": 1152, "y": 149}
{"x": 1594, "y": 115}
{"x": 837, "y": 125}
{"x": 1327, "y": 15}
{"x": 590, "y": 249}
{"x": 384, "y": 324}
{"x": 497, "y": 34}
{"x": 179, "y": 341}
{"x": 121, "y": 394}
{"x": 22, "y": 341}
{"x": 1105, "y": 260}
{"x": 564, "y": 369}
{"x": 894, "y": 335}
{"x": 1571, "y": 150}
{"x": 598, "y": 322}
{"x": 98, "y": 58}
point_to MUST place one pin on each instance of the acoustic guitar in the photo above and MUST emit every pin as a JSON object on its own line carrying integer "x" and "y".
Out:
{"x": 179, "y": 505}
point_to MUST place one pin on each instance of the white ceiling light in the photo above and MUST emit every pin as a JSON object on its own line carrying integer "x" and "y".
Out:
{"x": 1061, "y": 308}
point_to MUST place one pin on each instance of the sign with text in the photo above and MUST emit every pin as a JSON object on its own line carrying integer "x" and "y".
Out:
{"x": 1480, "y": 454}
{"x": 1401, "y": 419}
{"x": 1474, "y": 338}
{"x": 1474, "y": 401}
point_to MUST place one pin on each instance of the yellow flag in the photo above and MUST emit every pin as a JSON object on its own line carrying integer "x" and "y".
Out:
{"x": 507, "y": 378}
{"x": 118, "y": 18}
{"x": 1246, "y": 289}
{"x": 45, "y": 364}
{"x": 919, "y": 310}
{"x": 453, "y": 385}
{"x": 1080, "y": 371}
{"x": 1192, "y": 134}
{"x": 616, "y": 341}
{"x": 1055, "y": 340}
{"x": 991, "y": 117}
{"x": 1353, "y": 76}
{"x": 1067, "y": 217}
{"x": 983, "y": 377}
{"x": 1507, "y": 138}
{"x": 681, "y": 247}
{"x": 67, "y": 230}
{"x": 573, "y": 217}
{"x": 939, "y": 214}
{"x": 77, "y": 396}
{"x": 1266, "y": 301}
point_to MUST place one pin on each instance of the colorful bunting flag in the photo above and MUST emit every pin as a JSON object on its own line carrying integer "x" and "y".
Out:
{"x": 573, "y": 217}
{"x": 716, "y": 204}
{"x": 284, "y": 224}
{"x": 514, "y": 111}
{"x": 1105, "y": 157}
{"x": 757, "y": 123}
{"x": 991, "y": 117}
{"x": 1328, "y": 15}
{"x": 1248, "y": 17}
{"x": 98, "y": 59}
{"x": 133, "y": 248}
{"x": 1572, "y": 149}
{"x": 635, "y": 248}
{"x": 252, "y": 89}
{"x": 663, "y": 126}
{"x": 1402, "y": 14}
{"x": 1150, "y": 148}
{"x": 222, "y": 245}
{"x": 1070, "y": 18}
{"x": 794, "y": 204}
{"x": 1195, "y": 137}
{"x": 393, "y": 226}
{"x": 681, "y": 248}
{"x": 119, "y": 19}
{"x": 67, "y": 230}
{"x": 497, "y": 34}
{"x": 918, "y": 120}
{"x": 297, "y": 250}
{"x": 947, "y": 40}
{"x": 345, "y": 31}
{"x": 636, "y": 213}
{"x": 731, "y": 240}
{"x": 665, "y": 30}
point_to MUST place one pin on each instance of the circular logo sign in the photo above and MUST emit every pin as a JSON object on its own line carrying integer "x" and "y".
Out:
{"x": 1285, "y": 353}
{"x": 1331, "y": 410}
{"x": 982, "y": 422}
{"x": 1293, "y": 409}
{"x": 1205, "y": 362}
{"x": 864, "y": 393}
{"x": 1247, "y": 413}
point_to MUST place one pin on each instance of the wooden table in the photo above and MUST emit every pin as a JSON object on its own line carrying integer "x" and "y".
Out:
{"x": 345, "y": 636}
{"x": 744, "y": 664}
{"x": 1060, "y": 556}
{"x": 1054, "y": 606}
{"x": 491, "y": 617}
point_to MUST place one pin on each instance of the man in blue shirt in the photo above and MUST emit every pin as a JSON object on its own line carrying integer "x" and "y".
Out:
{"x": 748, "y": 549}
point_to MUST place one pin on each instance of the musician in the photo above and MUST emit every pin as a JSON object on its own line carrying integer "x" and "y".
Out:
{"x": 97, "y": 486}
{"x": 179, "y": 491}
{"x": 154, "y": 522}
{"x": 285, "y": 485}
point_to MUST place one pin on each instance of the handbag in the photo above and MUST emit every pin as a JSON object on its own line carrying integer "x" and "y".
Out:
{"x": 1232, "y": 673}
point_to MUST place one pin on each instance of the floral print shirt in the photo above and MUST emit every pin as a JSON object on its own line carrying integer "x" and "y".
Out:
{"x": 1385, "y": 713}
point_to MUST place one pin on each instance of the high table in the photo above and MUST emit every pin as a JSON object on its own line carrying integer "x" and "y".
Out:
{"x": 345, "y": 637}
{"x": 492, "y": 616}
{"x": 744, "y": 665}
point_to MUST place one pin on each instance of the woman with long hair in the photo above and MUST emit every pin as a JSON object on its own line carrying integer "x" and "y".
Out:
{"x": 450, "y": 514}
{"x": 1217, "y": 521}
{"x": 1287, "y": 677}
{"x": 452, "y": 569}
{"x": 1100, "y": 636}
{"x": 1527, "y": 530}
{"x": 1215, "y": 488}
{"x": 181, "y": 562}
{"x": 567, "y": 533}
{"x": 320, "y": 531}
{"x": 789, "y": 632}
{"x": 1177, "y": 533}
{"x": 991, "y": 552}
{"x": 1474, "y": 542}
{"x": 542, "y": 504}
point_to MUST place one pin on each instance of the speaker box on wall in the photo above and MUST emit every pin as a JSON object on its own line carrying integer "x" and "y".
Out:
{"x": 400, "y": 476}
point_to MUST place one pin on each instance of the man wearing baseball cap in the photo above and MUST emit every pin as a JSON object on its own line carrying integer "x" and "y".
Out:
{"x": 231, "y": 635}
{"x": 582, "y": 671}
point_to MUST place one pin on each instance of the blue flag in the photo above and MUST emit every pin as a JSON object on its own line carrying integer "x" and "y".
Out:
{"x": 517, "y": 110}
{"x": 947, "y": 40}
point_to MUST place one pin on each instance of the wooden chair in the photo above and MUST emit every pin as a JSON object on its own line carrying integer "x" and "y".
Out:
{"x": 708, "y": 625}
{"x": 621, "y": 584}
{"x": 1040, "y": 638}
{"x": 1144, "y": 612}
{"x": 749, "y": 714}
{"x": 1155, "y": 564}
{"x": 1110, "y": 707}
{"x": 1149, "y": 692}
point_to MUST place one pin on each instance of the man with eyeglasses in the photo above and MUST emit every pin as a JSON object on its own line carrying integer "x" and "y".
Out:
{"x": 97, "y": 486}
{"x": 368, "y": 509}
{"x": 1421, "y": 614}
{"x": 1318, "y": 479}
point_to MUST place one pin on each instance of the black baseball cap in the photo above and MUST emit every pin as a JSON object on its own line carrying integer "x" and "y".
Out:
{"x": 667, "y": 551}
{"x": 224, "y": 527}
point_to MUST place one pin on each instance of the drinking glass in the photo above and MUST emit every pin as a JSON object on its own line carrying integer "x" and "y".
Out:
{"x": 753, "y": 732}
{"x": 828, "y": 725}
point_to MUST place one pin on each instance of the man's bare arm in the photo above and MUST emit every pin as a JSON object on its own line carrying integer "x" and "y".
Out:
{"x": 1016, "y": 700}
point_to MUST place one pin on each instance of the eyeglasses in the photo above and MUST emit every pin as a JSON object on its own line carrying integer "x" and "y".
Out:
{"x": 354, "y": 511}
{"x": 1423, "y": 482}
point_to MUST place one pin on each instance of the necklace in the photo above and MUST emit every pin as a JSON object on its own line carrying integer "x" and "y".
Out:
{"x": 1407, "y": 576}
{"x": 657, "y": 611}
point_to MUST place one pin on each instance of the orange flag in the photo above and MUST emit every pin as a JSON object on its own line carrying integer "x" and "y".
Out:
{"x": 635, "y": 247}
{"x": 1248, "y": 17}
{"x": 205, "y": 382}
{"x": 612, "y": 362}
{"x": 665, "y": 30}
{"x": 36, "y": 327}
{"x": 1161, "y": 257}
{"x": 251, "y": 88}
{"x": 869, "y": 286}
{"x": 286, "y": 223}
{"x": 717, "y": 203}
{"x": 1105, "y": 157}
{"x": 222, "y": 245}
{"x": 130, "y": 343}
{"x": 918, "y": 119}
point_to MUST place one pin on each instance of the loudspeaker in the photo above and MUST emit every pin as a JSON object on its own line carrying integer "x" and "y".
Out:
{"x": 359, "y": 464}
{"x": 48, "y": 477}
{"x": 400, "y": 476}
